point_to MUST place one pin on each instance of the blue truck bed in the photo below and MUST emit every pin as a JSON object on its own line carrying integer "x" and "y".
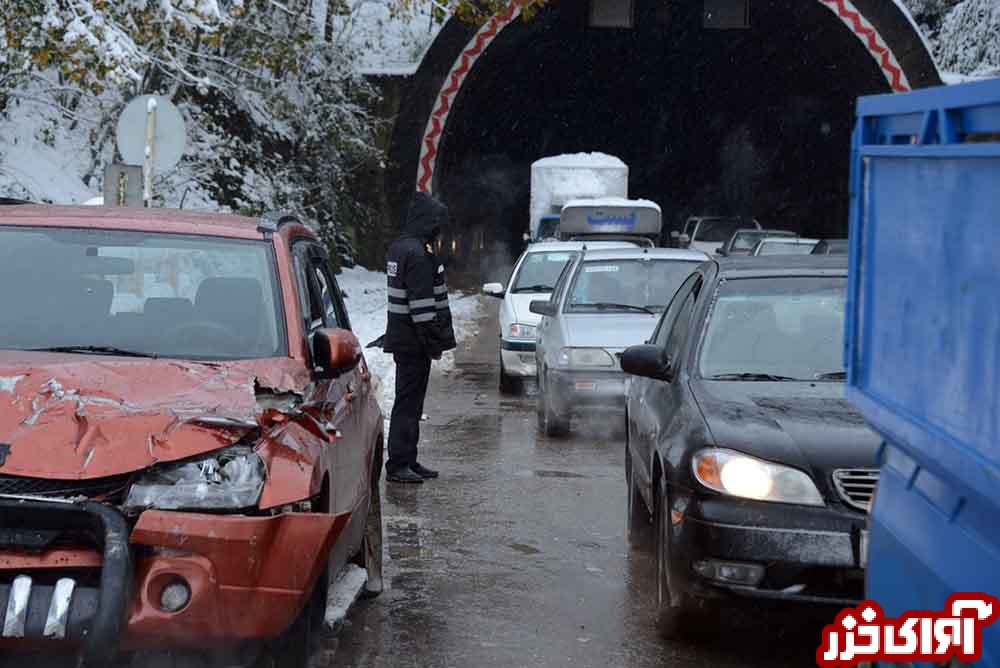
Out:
{"x": 923, "y": 341}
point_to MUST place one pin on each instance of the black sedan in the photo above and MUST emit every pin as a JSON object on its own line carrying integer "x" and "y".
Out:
{"x": 756, "y": 472}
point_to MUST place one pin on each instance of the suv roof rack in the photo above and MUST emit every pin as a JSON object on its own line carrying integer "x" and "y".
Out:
{"x": 272, "y": 220}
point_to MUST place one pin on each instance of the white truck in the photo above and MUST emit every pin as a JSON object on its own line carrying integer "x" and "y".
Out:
{"x": 557, "y": 180}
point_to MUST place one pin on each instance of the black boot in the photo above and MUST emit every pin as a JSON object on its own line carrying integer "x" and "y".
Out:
{"x": 404, "y": 475}
{"x": 423, "y": 471}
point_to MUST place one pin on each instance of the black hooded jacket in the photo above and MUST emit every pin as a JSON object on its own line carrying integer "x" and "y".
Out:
{"x": 419, "y": 316}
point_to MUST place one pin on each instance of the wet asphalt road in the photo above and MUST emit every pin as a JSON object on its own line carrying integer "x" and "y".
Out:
{"x": 517, "y": 556}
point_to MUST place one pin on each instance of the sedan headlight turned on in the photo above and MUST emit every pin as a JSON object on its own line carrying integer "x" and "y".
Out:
{"x": 735, "y": 474}
{"x": 586, "y": 358}
{"x": 228, "y": 479}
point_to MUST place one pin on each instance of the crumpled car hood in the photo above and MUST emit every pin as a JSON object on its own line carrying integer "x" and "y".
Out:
{"x": 77, "y": 417}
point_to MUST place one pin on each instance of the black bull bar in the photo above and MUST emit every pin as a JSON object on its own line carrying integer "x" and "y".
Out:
{"x": 24, "y": 521}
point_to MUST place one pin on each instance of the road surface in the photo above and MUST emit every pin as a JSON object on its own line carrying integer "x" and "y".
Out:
{"x": 517, "y": 556}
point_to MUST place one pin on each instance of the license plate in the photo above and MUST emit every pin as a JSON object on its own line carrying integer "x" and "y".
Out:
{"x": 586, "y": 387}
{"x": 863, "y": 552}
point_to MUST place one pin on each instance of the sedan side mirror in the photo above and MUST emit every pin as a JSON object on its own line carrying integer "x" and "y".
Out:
{"x": 542, "y": 307}
{"x": 721, "y": 250}
{"x": 335, "y": 351}
{"x": 648, "y": 361}
{"x": 494, "y": 290}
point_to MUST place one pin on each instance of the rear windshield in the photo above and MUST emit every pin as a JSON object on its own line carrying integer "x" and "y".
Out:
{"x": 778, "y": 248}
{"x": 540, "y": 271}
{"x": 745, "y": 241}
{"x": 166, "y": 295}
{"x": 721, "y": 230}
{"x": 788, "y": 327}
{"x": 627, "y": 285}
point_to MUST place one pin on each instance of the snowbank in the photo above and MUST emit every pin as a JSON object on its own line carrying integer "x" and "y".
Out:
{"x": 366, "y": 305}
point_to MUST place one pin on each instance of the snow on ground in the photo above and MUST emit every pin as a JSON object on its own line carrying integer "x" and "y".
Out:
{"x": 343, "y": 594}
{"x": 366, "y": 305}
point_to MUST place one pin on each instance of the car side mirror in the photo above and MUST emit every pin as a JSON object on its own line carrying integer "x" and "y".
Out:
{"x": 335, "y": 351}
{"x": 648, "y": 361}
{"x": 542, "y": 307}
{"x": 494, "y": 290}
{"x": 721, "y": 250}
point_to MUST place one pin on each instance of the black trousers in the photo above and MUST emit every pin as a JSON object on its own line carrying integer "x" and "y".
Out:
{"x": 412, "y": 373}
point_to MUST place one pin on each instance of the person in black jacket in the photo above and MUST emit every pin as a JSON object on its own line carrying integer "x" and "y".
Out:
{"x": 419, "y": 330}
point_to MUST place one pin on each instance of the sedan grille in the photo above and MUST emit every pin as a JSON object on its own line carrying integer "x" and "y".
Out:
{"x": 856, "y": 486}
{"x": 105, "y": 489}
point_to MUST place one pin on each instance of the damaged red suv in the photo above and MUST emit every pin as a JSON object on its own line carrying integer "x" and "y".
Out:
{"x": 190, "y": 443}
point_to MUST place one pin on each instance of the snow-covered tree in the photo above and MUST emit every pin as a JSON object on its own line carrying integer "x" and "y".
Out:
{"x": 965, "y": 34}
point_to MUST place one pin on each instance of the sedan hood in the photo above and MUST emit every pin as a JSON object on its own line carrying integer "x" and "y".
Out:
{"x": 520, "y": 306}
{"x": 806, "y": 425}
{"x": 78, "y": 416}
{"x": 613, "y": 331}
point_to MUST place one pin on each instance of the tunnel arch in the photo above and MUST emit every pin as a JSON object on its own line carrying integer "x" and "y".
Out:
{"x": 443, "y": 112}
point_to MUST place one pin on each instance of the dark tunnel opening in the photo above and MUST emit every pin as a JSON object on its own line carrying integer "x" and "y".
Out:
{"x": 753, "y": 122}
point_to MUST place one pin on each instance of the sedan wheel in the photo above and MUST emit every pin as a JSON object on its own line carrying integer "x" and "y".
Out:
{"x": 637, "y": 515}
{"x": 552, "y": 423}
{"x": 509, "y": 385}
{"x": 673, "y": 621}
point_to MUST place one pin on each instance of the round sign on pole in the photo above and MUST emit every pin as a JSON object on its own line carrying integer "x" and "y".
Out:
{"x": 170, "y": 137}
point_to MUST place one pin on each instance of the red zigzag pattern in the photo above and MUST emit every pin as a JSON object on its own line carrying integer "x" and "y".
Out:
{"x": 484, "y": 37}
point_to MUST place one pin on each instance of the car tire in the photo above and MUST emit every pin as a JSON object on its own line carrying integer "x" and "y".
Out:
{"x": 638, "y": 522}
{"x": 553, "y": 424}
{"x": 369, "y": 557}
{"x": 509, "y": 385}
{"x": 674, "y": 620}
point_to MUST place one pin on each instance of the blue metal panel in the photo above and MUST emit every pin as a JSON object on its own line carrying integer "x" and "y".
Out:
{"x": 923, "y": 340}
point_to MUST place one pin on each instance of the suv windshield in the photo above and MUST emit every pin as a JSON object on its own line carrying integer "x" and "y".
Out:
{"x": 784, "y": 327}
{"x": 718, "y": 229}
{"x": 139, "y": 293}
{"x": 627, "y": 285}
{"x": 540, "y": 271}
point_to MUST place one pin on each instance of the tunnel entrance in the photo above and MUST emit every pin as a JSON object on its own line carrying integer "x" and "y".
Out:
{"x": 752, "y": 122}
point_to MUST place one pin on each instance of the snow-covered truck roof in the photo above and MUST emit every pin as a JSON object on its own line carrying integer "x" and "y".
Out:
{"x": 577, "y": 160}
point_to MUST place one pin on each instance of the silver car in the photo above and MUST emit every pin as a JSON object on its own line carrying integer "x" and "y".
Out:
{"x": 606, "y": 301}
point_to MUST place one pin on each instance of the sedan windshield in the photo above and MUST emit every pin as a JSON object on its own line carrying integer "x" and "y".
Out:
{"x": 627, "y": 285}
{"x": 138, "y": 293}
{"x": 776, "y": 328}
{"x": 540, "y": 271}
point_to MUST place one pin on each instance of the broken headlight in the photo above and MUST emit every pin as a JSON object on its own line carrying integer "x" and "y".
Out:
{"x": 228, "y": 479}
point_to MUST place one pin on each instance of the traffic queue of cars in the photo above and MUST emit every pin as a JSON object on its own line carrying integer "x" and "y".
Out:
{"x": 742, "y": 458}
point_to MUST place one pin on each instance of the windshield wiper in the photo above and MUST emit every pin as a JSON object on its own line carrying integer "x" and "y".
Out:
{"x": 95, "y": 350}
{"x": 753, "y": 377}
{"x": 832, "y": 375}
{"x": 608, "y": 306}
{"x": 533, "y": 288}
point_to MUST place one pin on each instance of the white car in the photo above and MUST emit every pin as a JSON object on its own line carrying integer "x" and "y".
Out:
{"x": 607, "y": 301}
{"x": 535, "y": 275}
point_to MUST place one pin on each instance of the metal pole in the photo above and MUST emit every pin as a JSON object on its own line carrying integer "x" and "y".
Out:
{"x": 147, "y": 167}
